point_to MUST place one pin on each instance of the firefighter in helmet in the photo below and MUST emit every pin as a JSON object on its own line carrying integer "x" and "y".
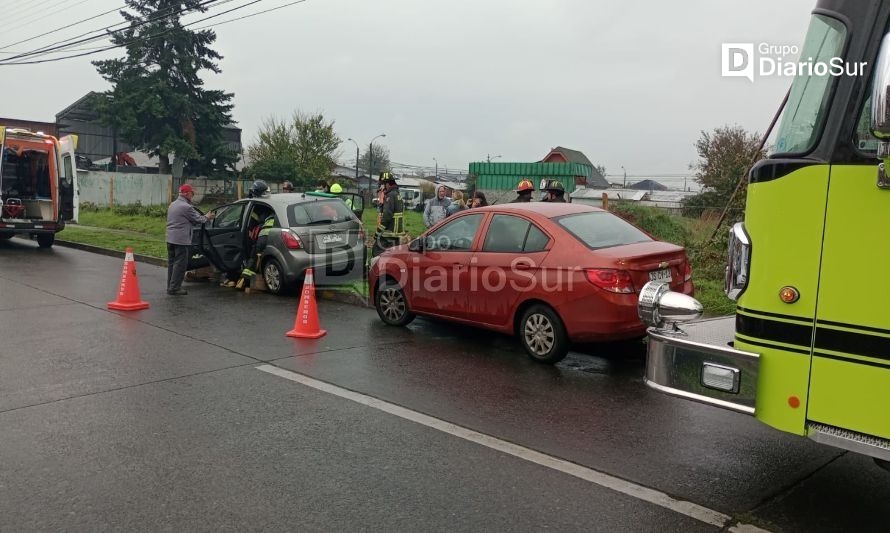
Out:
{"x": 524, "y": 191}
{"x": 258, "y": 189}
{"x": 338, "y": 190}
{"x": 553, "y": 191}
{"x": 392, "y": 223}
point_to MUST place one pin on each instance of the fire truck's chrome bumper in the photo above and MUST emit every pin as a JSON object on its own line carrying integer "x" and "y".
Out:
{"x": 700, "y": 364}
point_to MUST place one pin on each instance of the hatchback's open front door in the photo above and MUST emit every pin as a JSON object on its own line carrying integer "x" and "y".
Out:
{"x": 223, "y": 238}
{"x": 355, "y": 202}
{"x": 68, "y": 201}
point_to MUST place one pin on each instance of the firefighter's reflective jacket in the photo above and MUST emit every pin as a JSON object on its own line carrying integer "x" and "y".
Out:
{"x": 392, "y": 220}
{"x": 268, "y": 224}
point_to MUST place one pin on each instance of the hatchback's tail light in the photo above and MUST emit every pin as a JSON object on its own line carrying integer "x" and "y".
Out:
{"x": 611, "y": 280}
{"x": 291, "y": 241}
{"x": 687, "y": 272}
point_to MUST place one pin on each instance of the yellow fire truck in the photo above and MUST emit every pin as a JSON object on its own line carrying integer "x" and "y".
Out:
{"x": 38, "y": 184}
{"x": 808, "y": 351}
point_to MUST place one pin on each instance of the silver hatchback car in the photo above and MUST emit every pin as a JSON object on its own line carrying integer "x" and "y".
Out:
{"x": 315, "y": 230}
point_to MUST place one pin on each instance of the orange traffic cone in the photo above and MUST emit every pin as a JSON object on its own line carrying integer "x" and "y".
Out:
{"x": 128, "y": 298}
{"x": 306, "y": 325}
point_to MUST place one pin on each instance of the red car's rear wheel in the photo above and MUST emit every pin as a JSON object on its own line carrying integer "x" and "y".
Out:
{"x": 543, "y": 334}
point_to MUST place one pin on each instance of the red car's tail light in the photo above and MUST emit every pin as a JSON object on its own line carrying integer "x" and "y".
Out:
{"x": 610, "y": 279}
{"x": 687, "y": 273}
{"x": 291, "y": 241}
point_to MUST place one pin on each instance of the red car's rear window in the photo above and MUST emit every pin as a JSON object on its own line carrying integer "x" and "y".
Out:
{"x": 602, "y": 230}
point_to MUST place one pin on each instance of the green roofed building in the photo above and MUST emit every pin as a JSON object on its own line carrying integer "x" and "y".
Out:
{"x": 572, "y": 168}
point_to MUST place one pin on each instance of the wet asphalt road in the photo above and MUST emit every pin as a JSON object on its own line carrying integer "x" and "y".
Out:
{"x": 160, "y": 420}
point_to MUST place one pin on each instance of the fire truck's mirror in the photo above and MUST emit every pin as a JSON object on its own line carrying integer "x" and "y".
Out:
{"x": 880, "y": 93}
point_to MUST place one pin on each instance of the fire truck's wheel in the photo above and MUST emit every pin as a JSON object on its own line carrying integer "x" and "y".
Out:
{"x": 543, "y": 334}
{"x": 392, "y": 305}
{"x": 46, "y": 240}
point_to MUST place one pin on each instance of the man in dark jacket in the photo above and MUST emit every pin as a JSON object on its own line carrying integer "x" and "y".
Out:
{"x": 392, "y": 222}
{"x": 181, "y": 217}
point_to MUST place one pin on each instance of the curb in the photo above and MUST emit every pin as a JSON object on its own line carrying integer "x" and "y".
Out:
{"x": 112, "y": 253}
{"x": 347, "y": 297}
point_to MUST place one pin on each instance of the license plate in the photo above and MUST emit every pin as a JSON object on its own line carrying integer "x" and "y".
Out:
{"x": 330, "y": 239}
{"x": 660, "y": 275}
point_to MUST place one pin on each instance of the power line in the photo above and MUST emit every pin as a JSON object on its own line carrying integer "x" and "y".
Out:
{"x": 71, "y": 41}
{"x": 61, "y": 28}
{"x": 42, "y": 15}
{"x": 8, "y": 61}
{"x": 251, "y": 15}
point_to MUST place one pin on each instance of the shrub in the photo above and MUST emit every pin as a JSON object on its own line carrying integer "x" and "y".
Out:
{"x": 661, "y": 224}
{"x": 138, "y": 209}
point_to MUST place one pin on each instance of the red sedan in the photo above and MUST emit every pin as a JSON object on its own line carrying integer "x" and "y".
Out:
{"x": 551, "y": 273}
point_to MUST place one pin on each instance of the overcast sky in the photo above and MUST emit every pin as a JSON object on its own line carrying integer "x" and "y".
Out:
{"x": 627, "y": 83}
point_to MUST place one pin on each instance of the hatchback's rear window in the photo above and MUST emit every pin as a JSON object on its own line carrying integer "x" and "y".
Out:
{"x": 602, "y": 230}
{"x": 318, "y": 212}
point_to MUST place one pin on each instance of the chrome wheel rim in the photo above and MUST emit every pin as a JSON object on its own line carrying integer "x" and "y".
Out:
{"x": 272, "y": 277}
{"x": 392, "y": 303}
{"x": 539, "y": 334}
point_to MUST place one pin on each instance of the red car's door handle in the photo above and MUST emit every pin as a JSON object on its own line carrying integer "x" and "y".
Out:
{"x": 523, "y": 266}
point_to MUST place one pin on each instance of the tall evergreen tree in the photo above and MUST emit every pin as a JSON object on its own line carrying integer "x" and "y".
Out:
{"x": 158, "y": 102}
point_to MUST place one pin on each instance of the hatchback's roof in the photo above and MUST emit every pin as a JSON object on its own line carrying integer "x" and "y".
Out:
{"x": 289, "y": 198}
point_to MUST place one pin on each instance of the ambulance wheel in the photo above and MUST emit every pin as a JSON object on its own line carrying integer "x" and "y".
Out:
{"x": 46, "y": 240}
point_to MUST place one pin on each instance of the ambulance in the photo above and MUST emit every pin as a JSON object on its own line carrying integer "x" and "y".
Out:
{"x": 38, "y": 184}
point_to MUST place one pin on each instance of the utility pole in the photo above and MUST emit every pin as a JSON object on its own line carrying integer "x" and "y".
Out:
{"x": 437, "y": 168}
{"x": 625, "y": 176}
{"x": 356, "y": 161}
{"x": 371, "y": 163}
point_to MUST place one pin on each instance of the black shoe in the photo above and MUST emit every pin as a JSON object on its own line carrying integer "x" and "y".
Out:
{"x": 178, "y": 292}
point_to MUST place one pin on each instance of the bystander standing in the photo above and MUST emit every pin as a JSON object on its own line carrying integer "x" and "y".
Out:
{"x": 181, "y": 217}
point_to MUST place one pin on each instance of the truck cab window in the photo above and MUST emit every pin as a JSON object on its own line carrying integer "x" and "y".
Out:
{"x": 808, "y": 102}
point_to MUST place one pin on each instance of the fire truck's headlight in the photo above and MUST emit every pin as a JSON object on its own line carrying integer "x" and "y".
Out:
{"x": 658, "y": 305}
{"x": 739, "y": 262}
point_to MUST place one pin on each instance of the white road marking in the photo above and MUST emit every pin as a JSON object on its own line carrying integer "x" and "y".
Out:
{"x": 692, "y": 510}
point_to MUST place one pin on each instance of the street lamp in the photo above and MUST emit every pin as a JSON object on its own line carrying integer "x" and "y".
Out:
{"x": 356, "y": 159}
{"x": 437, "y": 168}
{"x": 371, "y": 161}
{"x": 489, "y": 157}
{"x": 625, "y": 176}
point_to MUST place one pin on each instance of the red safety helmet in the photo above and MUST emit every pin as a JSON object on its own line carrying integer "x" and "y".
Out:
{"x": 185, "y": 188}
{"x": 525, "y": 185}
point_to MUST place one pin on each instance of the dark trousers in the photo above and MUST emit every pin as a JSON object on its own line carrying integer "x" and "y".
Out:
{"x": 177, "y": 262}
{"x": 382, "y": 243}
